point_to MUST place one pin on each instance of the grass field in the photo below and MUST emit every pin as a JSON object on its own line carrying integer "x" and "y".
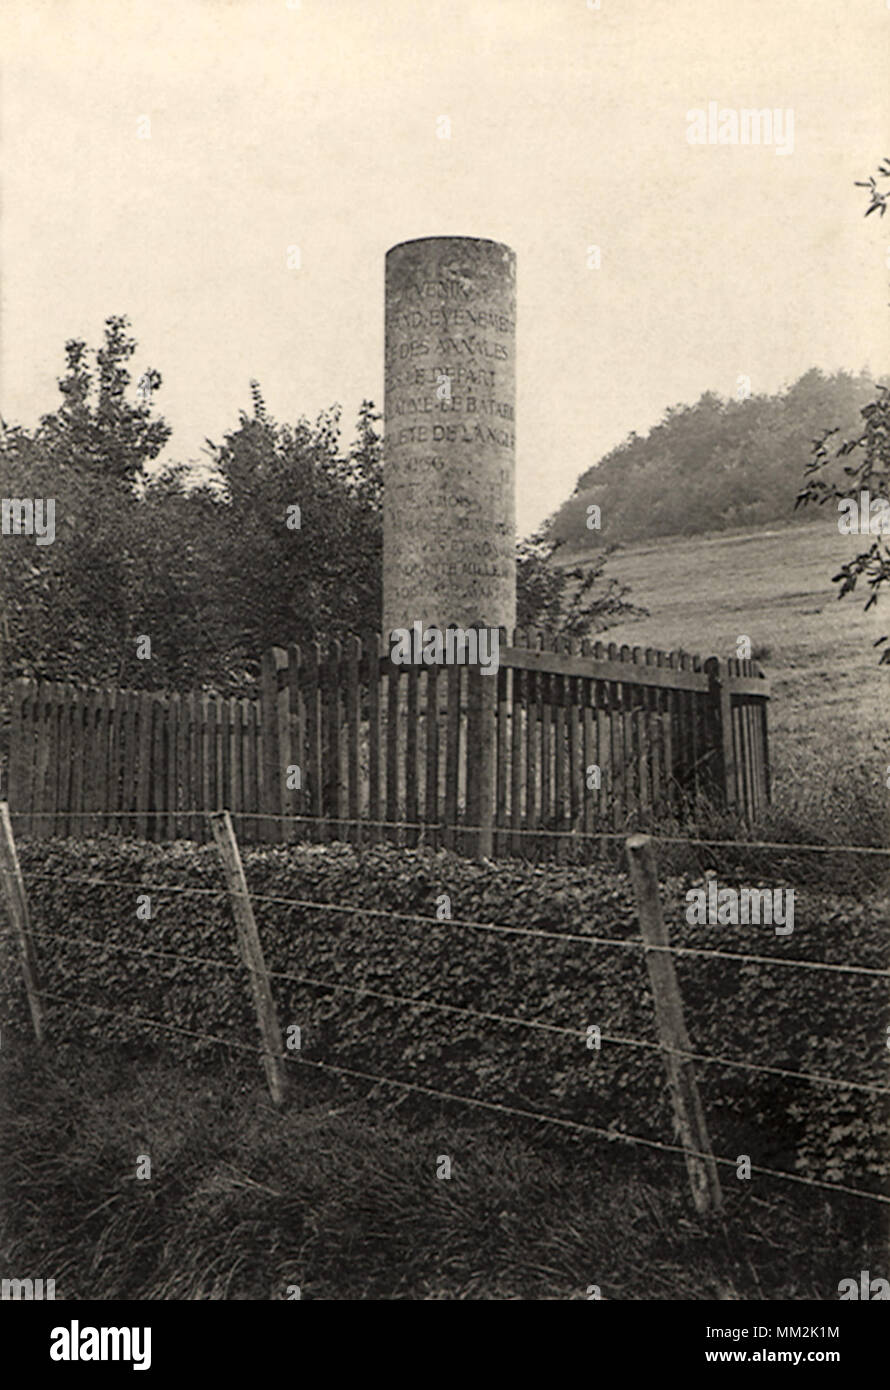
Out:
{"x": 828, "y": 717}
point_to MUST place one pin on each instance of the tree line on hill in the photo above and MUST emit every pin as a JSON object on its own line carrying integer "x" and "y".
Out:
{"x": 712, "y": 466}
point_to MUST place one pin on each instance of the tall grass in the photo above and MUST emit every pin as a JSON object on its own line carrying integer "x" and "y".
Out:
{"x": 339, "y": 1195}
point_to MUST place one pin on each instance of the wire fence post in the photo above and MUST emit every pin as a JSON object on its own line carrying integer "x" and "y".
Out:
{"x": 17, "y": 907}
{"x": 251, "y": 953}
{"x": 688, "y": 1110}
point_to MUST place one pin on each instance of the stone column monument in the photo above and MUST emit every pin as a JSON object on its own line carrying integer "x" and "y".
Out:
{"x": 449, "y": 444}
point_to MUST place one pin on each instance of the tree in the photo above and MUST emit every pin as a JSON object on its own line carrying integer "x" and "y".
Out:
{"x": 64, "y": 604}
{"x": 96, "y": 427}
{"x": 301, "y": 530}
{"x": 879, "y": 197}
{"x": 364, "y": 471}
{"x": 67, "y": 606}
{"x": 281, "y": 543}
{"x": 572, "y": 602}
{"x": 865, "y": 459}
{"x": 712, "y": 465}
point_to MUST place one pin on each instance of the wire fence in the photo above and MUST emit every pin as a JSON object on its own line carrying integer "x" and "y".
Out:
{"x": 497, "y": 1107}
{"x": 184, "y": 815}
{"x": 419, "y": 919}
{"x": 415, "y": 1001}
{"x": 241, "y": 897}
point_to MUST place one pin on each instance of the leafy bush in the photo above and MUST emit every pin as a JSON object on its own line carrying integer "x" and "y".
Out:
{"x": 343, "y": 957}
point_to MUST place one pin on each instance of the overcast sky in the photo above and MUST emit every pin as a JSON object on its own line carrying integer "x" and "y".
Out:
{"x": 317, "y": 125}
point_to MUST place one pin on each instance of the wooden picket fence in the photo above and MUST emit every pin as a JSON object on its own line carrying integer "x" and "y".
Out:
{"x": 565, "y": 740}
{"x": 139, "y": 762}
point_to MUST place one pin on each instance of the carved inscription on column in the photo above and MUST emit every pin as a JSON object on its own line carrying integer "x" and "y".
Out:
{"x": 450, "y": 407}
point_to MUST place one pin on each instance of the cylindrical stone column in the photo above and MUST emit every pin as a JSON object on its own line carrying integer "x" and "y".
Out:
{"x": 449, "y": 518}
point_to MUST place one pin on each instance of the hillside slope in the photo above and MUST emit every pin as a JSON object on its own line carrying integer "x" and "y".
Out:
{"x": 712, "y": 466}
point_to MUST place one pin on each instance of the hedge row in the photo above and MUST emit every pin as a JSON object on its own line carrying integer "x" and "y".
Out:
{"x": 797, "y": 1019}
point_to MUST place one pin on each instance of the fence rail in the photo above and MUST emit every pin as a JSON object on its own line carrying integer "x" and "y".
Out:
{"x": 565, "y": 739}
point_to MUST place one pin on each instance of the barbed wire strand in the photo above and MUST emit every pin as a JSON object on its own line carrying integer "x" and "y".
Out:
{"x": 419, "y": 919}
{"x": 508, "y": 830}
{"x": 123, "y": 883}
{"x": 574, "y": 936}
{"x": 578, "y": 1033}
{"x": 587, "y": 1129}
{"x": 577, "y": 835}
{"x": 497, "y": 1106}
{"x": 329, "y": 819}
{"x": 242, "y": 815}
{"x": 154, "y": 1023}
{"x": 770, "y": 844}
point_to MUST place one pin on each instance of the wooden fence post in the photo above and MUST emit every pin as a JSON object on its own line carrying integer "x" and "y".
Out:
{"x": 721, "y": 739}
{"x": 251, "y": 953}
{"x": 274, "y": 761}
{"x": 17, "y": 905}
{"x": 481, "y": 734}
{"x": 703, "y": 1177}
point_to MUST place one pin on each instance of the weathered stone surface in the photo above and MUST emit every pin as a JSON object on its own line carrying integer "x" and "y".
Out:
{"x": 450, "y": 407}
